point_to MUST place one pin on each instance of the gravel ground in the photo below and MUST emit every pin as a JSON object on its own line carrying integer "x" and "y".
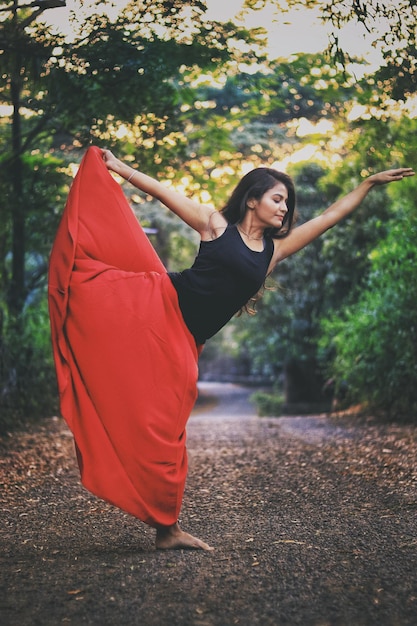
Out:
{"x": 313, "y": 520}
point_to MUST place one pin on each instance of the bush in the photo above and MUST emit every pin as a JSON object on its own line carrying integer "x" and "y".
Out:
{"x": 268, "y": 403}
{"x": 374, "y": 342}
{"x": 27, "y": 376}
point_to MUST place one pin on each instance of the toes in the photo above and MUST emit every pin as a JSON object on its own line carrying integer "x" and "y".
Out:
{"x": 203, "y": 546}
{"x": 182, "y": 541}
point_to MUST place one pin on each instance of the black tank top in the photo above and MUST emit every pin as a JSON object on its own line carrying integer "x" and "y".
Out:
{"x": 224, "y": 276}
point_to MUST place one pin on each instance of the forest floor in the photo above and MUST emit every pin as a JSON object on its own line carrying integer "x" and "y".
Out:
{"x": 313, "y": 520}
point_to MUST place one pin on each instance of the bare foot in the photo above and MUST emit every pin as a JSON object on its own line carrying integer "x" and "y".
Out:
{"x": 173, "y": 538}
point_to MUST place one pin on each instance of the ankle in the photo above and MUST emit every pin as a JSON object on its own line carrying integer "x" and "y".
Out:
{"x": 165, "y": 531}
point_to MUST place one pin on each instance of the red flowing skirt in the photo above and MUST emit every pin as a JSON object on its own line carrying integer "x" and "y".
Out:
{"x": 126, "y": 363}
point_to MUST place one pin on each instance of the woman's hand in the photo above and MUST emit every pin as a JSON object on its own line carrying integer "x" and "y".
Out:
{"x": 112, "y": 163}
{"x": 381, "y": 178}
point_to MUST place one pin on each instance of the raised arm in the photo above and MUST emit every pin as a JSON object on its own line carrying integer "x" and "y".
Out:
{"x": 306, "y": 233}
{"x": 196, "y": 215}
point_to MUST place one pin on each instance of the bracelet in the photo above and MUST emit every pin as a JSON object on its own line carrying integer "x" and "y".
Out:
{"x": 131, "y": 176}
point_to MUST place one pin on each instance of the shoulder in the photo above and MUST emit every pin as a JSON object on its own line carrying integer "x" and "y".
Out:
{"x": 216, "y": 225}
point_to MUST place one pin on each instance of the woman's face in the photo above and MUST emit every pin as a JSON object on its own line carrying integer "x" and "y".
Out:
{"x": 271, "y": 209}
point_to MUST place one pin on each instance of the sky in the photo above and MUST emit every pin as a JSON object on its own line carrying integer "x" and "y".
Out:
{"x": 298, "y": 30}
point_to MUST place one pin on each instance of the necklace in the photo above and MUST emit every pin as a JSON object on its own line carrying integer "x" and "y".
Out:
{"x": 248, "y": 236}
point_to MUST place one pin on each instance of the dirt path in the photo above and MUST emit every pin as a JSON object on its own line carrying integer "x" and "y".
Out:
{"x": 314, "y": 521}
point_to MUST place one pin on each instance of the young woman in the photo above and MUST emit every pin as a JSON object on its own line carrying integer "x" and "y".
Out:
{"x": 127, "y": 334}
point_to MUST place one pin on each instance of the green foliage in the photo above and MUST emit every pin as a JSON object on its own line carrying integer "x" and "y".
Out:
{"x": 371, "y": 146}
{"x": 392, "y": 26}
{"x": 141, "y": 67}
{"x": 268, "y": 403}
{"x": 348, "y": 246}
{"x": 305, "y": 85}
{"x": 43, "y": 193}
{"x": 27, "y": 377}
{"x": 372, "y": 344}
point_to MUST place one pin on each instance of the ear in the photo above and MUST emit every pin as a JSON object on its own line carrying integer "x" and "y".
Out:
{"x": 251, "y": 203}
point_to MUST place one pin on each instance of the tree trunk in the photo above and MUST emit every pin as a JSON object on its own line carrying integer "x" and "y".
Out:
{"x": 17, "y": 285}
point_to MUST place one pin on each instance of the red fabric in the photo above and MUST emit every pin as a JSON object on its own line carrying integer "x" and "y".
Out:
{"x": 126, "y": 363}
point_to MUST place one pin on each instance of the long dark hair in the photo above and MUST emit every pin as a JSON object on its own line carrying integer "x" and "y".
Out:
{"x": 253, "y": 185}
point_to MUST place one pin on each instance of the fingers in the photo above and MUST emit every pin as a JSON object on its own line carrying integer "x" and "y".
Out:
{"x": 393, "y": 175}
{"x": 108, "y": 158}
{"x": 389, "y": 176}
{"x": 401, "y": 172}
{"x": 106, "y": 154}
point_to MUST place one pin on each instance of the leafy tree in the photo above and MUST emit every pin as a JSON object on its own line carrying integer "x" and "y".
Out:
{"x": 20, "y": 64}
{"x": 374, "y": 342}
{"x": 304, "y": 86}
{"x": 372, "y": 145}
{"x": 392, "y": 26}
{"x": 130, "y": 70}
{"x": 368, "y": 347}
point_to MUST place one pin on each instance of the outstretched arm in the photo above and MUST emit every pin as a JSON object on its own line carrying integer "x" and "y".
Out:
{"x": 306, "y": 233}
{"x": 192, "y": 213}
